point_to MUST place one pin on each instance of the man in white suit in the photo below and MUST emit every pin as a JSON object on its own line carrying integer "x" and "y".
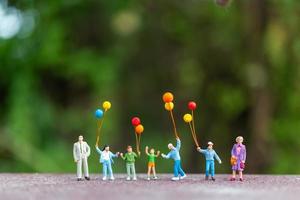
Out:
{"x": 81, "y": 152}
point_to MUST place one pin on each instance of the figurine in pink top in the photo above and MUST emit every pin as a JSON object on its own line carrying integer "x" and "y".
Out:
{"x": 238, "y": 158}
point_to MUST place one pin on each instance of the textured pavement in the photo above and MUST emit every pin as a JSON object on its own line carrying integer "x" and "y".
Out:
{"x": 65, "y": 186}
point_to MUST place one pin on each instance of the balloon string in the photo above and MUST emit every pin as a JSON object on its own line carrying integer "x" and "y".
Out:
{"x": 193, "y": 135}
{"x": 174, "y": 125}
{"x": 137, "y": 142}
{"x": 100, "y": 123}
{"x": 193, "y": 122}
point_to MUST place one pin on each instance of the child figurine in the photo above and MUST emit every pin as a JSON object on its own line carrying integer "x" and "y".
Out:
{"x": 81, "y": 152}
{"x": 174, "y": 154}
{"x": 130, "y": 163}
{"x": 210, "y": 156}
{"x": 238, "y": 158}
{"x": 106, "y": 158}
{"x": 151, "y": 162}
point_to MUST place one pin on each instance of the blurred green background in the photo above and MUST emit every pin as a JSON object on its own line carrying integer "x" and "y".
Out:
{"x": 59, "y": 60}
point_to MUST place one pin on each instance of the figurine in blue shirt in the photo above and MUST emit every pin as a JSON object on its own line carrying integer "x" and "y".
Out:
{"x": 174, "y": 154}
{"x": 210, "y": 156}
{"x": 106, "y": 158}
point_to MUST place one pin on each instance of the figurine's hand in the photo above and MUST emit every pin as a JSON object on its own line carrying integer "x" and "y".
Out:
{"x": 220, "y": 162}
{"x": 121, "y": 154}
{"x": 118, "y": 153}
{"x": 163, "y": 155}
{"x": 158, "y": 152}
{"x": 139, "y": 153}
{"x": 198, "y": 148}
{"x": 147, "y": 147}
{"x": 96, "y": 146}
{"x": 243, "y": 161}
{"x": 75, "y": 161}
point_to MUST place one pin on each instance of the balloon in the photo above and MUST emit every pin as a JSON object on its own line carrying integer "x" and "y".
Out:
{"x": 187, "y": 118}
{"x": 139, "y": 129}
{"x": 192, "y": 105}
{"x": 169, "y": 106}
{"x": 99, "y": 114}
{"x": 168, "y": 97}
{"x": 135, "y": 121}
{"x": 106, "y": 105}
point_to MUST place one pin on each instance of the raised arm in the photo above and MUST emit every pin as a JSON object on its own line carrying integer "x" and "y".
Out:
{"x": 157, "y": 153}
{"x": 201, "y": 150}
{"x": 98, "y": 150}
{"x": 146, "y": 150}
{"x": 178, "y": 144}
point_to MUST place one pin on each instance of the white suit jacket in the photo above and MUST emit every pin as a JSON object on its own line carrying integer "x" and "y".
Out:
{"x": 81, "y": 152}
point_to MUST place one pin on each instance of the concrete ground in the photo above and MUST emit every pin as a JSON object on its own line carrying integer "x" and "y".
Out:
{"x": 65, "y": 186}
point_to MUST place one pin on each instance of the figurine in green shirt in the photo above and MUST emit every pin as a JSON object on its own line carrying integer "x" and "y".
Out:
{"x": 151, "y": 161}
{"x": 129, "y": 158}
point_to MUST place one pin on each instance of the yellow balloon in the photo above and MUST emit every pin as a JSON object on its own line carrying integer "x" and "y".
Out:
{"x": 169, "y": 106}
{"x": 106, "y": 105}
{"x": 187, "y": 118}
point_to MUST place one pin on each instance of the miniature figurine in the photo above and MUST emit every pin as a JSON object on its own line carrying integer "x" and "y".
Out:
{"x": 238, "y": 158}
{"x": 174, "y": 154}
{"x": 81, "y": 152}
{"x": 210, "y": 156}
{"x": 129, "y": 158}
{"x": 151, "y": 162}
{"x": 106, "y": 158}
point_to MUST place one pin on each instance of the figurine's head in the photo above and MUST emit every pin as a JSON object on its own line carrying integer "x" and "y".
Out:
{"x": 239, "y": 140}
{"x": 129, "y": 149}
{"x": 80, "y": 138}
{"x": 152, "y": 151}
{"x": 210, "y": 145}
{"x": 105, "y": 148}
{"x": 170, "y": 146}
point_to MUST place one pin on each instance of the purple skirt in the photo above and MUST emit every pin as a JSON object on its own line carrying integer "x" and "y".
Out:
{"x": 237, "y": 167}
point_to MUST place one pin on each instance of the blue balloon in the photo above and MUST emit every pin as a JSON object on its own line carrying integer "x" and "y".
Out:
{"x": 99, "y": 114}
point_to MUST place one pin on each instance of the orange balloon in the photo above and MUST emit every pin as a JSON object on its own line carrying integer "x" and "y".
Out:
{"x": 168, "y": 97}
{"x": 139, "y": 129}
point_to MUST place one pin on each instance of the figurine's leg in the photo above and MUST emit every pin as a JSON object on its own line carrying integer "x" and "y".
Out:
{"x": 149, "y": 171}
{"x": 133, "y": 171}
{"x": 104, "y": 170}
{"x": 154, "y": 171}
{"x": 207, "y": 167}
{"x": 233, "y": 173}
{"x": 176, "y": 164}
{"x": 110, "y": 172}
{"x": 180, "y": 170}
{"x": 79, "y": 170}
{"x": 241, "y": 174}
{"x": 128, "y": 171}
{"x": 85, "y": 168}
{"x": 212, "y": 168}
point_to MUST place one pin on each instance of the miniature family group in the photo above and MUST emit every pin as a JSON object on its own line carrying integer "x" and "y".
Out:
{"x": 81, "y": 150}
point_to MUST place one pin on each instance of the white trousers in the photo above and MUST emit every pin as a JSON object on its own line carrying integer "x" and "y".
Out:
{"x": 80, "y": 162}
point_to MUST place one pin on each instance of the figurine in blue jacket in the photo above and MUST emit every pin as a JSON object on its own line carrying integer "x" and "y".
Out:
{"x": 106, "y": 159}
{"x": 210, "y": 156}
{"x": 174, "y": 154}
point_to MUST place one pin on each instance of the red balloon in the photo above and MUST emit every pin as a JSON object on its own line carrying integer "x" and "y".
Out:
{"x": 135, "y": 121}
{"x": 192, "y": 105}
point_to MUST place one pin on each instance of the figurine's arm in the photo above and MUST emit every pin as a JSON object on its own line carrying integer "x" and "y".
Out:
{"x": 218, "y": 158}
{"x": 74, "y": 153}
{"x": 166, "y": 156}
{"x": 157, "y": 154}
{"x": 98, "y": 150}
{"x": 245, "y": 155}
{"x": 201, "y": 150}
{"x": 232, "y": 150}
{"x": 114, "y": 155}
{"x": 88, "y": 150}
{"x": 178, "y": 144}
{"x": 122, "y": 156}
{"x": 146, "y": 150}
